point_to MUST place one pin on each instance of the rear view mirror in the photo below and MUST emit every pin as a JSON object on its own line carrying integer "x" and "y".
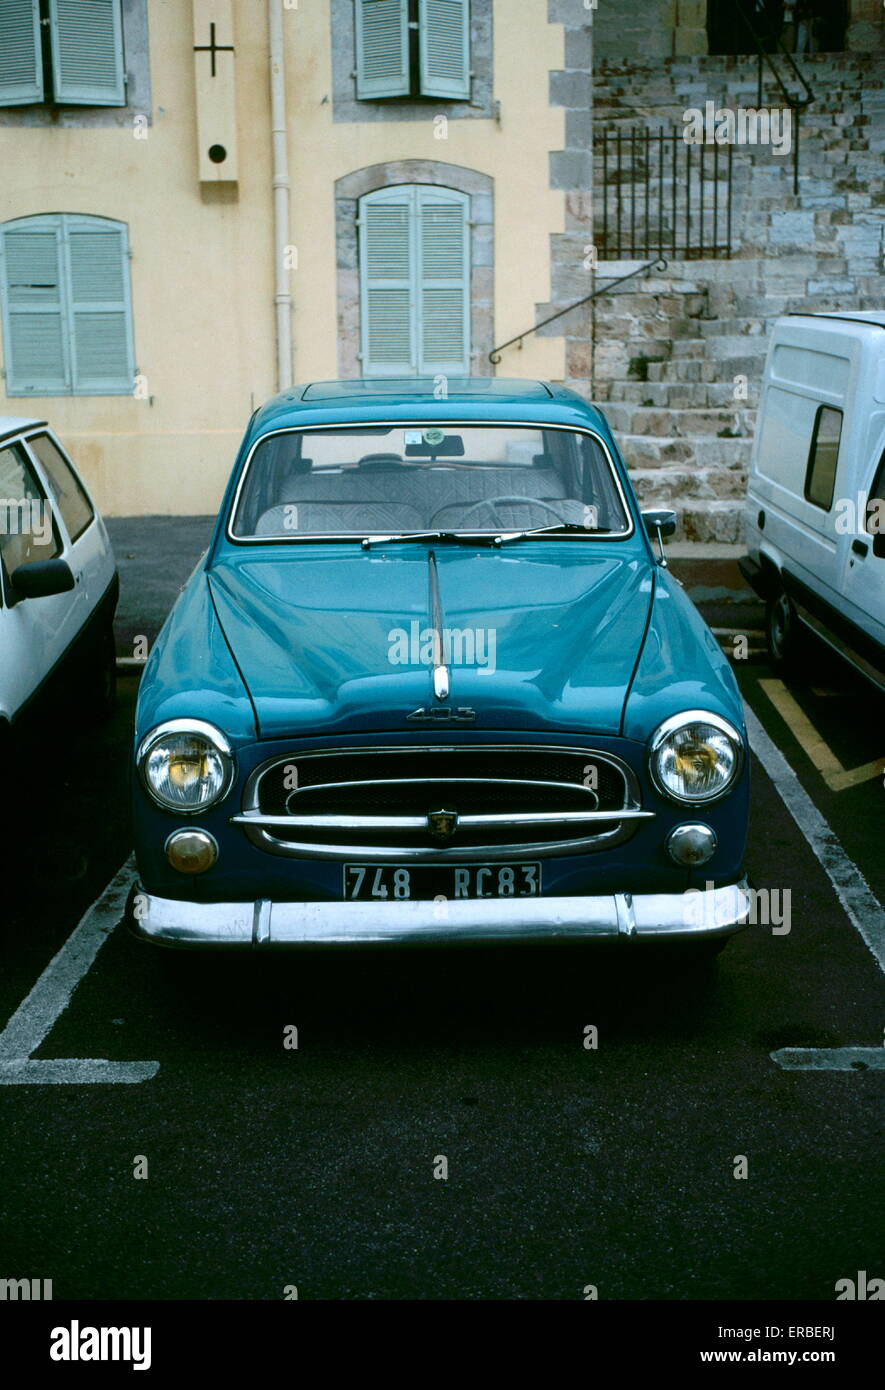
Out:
{"x": 435, "y": 444}
{"x": 40, "y": 578}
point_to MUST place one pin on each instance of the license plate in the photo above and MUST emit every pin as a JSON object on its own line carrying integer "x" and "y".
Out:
{"x": 450, "y": 881}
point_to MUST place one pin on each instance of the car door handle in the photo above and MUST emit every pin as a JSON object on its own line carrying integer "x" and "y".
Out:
{"x": 860, "y": 548}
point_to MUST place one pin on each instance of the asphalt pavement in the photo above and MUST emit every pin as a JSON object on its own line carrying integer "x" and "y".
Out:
{"x": 321, "y": 1166}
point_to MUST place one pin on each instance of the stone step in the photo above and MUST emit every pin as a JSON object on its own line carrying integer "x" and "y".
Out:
{"x": 743, "y": 327}
{"x": 719, "y": 346}
{"x": 702, "y": 370}
{"x": 670, "y": 395}
{"x": 729, "y": 345}
{"x": 645, "y": 451}
{"x": 721, "y": 394}
{"x": 663, "y": 487}
{"x": 677, "y": 423}
{"x": 659, "y": 394}
{"x": 704, "y": 521}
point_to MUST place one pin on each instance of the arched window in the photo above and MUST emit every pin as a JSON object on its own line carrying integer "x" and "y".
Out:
{"x": 67, "y": 317}
{"x": 414, "y": 267}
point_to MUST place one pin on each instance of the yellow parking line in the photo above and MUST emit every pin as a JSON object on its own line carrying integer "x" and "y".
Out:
{"x": 837, "y": 778}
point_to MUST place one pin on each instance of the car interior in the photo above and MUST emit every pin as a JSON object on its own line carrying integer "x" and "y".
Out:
{"x": 429, "y": 486}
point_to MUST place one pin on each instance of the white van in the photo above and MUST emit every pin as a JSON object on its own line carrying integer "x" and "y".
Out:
{"x": 815, "y": 514}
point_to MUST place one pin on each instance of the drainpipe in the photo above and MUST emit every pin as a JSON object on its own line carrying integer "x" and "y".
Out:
{"x": 282, "y": 297}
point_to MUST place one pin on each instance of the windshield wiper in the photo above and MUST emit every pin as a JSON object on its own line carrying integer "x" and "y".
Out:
{"x": 565, "y": 528}
{"x": 487, "y": 538}
{"x": 369, "y": 541}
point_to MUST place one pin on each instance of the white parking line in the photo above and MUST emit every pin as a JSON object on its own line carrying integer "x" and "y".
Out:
{"x": 862, "y": 907}
{"x": 831, "y": 1058}
{"x": 47, "y": 1001}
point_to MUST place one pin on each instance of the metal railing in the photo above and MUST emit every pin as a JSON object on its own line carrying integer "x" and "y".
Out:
{"x": 659, "y": 265}
{"x": 762, "y": 34}
{"x": 660, "y": 194}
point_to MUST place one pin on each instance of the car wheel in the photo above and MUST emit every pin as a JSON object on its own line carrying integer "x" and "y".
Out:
{"x": 785, "y": 636}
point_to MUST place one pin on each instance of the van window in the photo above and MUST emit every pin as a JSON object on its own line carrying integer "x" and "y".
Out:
{"x": 820, "y": 480}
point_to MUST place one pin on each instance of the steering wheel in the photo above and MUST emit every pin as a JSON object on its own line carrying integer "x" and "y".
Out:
{"x": 381, "y": 461}
{"x": 491, "y": 501}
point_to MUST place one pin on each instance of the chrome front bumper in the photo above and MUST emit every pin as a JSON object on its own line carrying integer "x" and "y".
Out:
{"x": 648, "y": 916}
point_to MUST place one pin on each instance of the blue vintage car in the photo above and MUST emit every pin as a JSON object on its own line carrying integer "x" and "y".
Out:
{"x": 432, "y": 681}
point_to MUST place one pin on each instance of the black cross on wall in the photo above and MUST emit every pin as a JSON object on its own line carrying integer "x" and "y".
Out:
{"x": 213, "y": 47}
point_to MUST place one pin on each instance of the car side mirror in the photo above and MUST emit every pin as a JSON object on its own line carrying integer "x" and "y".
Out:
{"x": 661, "y": 521}
{"x": 40, "y": 578}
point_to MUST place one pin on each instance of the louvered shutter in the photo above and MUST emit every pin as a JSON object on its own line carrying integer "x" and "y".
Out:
{"x": 382, "y": 48}
{"x": 21, "y": 68}
{"x": 87, "y": 52}
{"x": 100, "y": 317}
{"x": 443, "y": 282}
{"x": 33, "y": 304}
{"x": 444, "y": 42}
{"x": 387, "y": 280}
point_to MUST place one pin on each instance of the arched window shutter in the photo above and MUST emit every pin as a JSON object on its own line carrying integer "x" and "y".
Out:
{"x": 21, "y": 70}
{"x": 444, "y": 30}
{"x": 382, "y": 48}
{"x": 387, "y": 263}
{"x": 444, "y": 301}
{"x": 415, "y": 281}
{"x": 87, "y": 52}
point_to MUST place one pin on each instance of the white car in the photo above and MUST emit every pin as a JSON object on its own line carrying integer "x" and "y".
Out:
{"x": 58, "y": 579}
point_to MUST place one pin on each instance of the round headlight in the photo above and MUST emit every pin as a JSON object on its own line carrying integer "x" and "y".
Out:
{"x": 186, "y": 765}
{"x": 695, "y": 757}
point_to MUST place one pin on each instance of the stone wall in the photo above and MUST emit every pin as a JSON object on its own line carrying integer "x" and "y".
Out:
{"x": 651, "y": 29}
{"x": 677, "y": 359}
{"x": 571, "y": 171}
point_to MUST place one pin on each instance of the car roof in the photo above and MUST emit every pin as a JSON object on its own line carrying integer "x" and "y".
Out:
{"x": 416, "y": 387}
{"x": 14, "y": 424}
{"x": 395, "y": 399}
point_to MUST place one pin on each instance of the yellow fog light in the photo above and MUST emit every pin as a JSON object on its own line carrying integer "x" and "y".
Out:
{"x": 191, "y": 851}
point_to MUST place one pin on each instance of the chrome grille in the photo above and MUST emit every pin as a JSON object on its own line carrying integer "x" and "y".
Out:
{"x": 443, "y": 802}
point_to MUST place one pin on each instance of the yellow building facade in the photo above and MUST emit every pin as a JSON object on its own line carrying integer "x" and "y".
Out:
{"x": 201, "y": 243}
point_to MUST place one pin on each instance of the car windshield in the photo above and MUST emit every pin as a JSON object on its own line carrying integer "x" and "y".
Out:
{"x": 391, "y": 480}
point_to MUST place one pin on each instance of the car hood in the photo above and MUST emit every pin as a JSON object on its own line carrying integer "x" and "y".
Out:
{"x": 539, "y": 635}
